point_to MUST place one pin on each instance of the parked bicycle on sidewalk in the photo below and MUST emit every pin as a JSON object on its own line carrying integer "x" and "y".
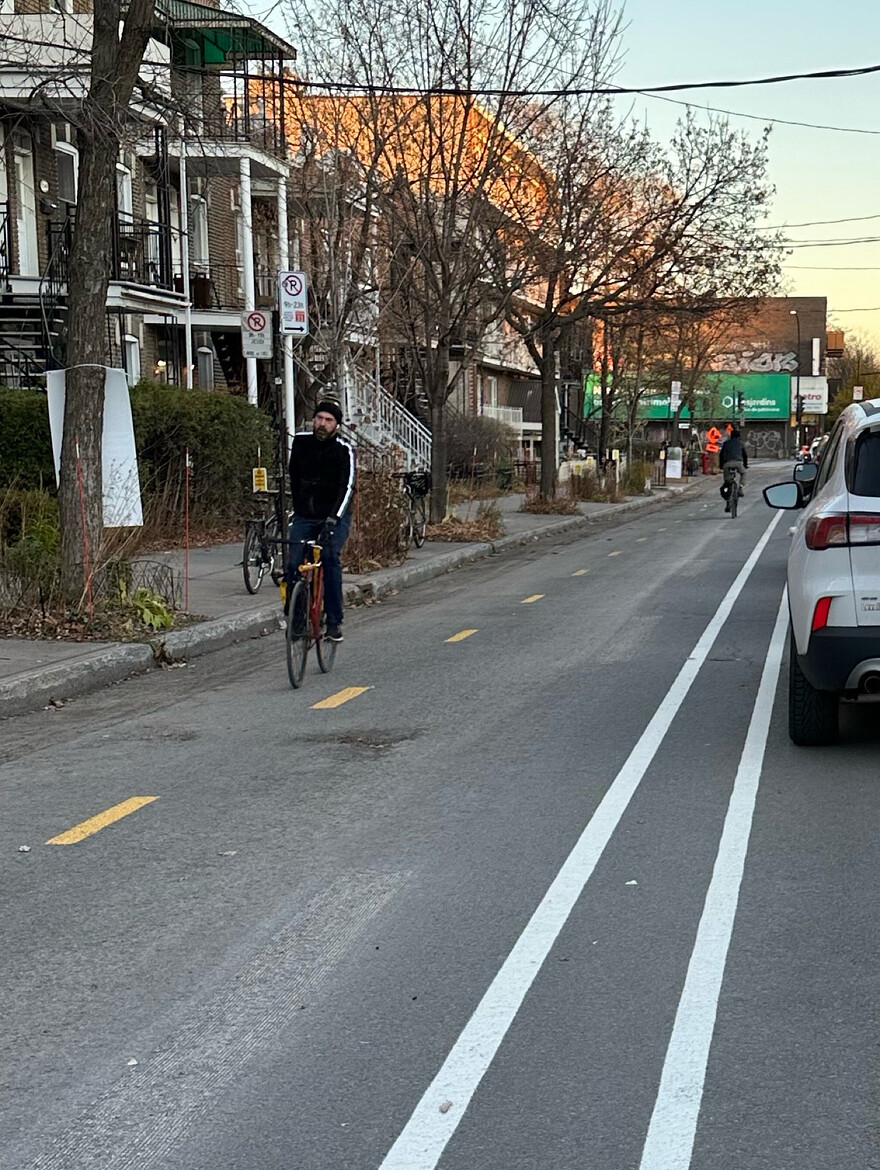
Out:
{"x": 416, "y": 487}
{"x": 263, "y": 540}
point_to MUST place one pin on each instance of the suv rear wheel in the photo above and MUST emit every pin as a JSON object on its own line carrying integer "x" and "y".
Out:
{"x": 813, "y": 716}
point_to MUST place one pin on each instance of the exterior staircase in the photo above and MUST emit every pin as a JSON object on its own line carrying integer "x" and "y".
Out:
{"x": 378, "y": 421}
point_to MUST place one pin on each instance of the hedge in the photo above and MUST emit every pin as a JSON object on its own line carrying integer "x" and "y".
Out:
{"x": 25, "y": 441}
{"x": 221, "y": 431}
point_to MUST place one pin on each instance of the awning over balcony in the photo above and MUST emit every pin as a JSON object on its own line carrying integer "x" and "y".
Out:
{"x": 219, "y": 35}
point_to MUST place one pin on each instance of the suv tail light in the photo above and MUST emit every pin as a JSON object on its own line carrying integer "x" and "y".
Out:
{"x": 864, "y": 528}
{"x": 828, "y": 531}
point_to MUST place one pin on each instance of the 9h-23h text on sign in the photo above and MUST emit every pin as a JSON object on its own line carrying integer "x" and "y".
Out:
{"x": 293, "y": 303}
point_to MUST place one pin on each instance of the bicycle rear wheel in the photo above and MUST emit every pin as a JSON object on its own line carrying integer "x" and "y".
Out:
{"x": 734, "y": 496}
{"x": 252, "y": 563}
{"x": 419, "y": 521}
{"x": 298, "y": 633}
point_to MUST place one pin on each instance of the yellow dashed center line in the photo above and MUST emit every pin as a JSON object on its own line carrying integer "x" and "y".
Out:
{"x": 615, "y": 554}
{"x": 529, "y": 600}
{"x": 461, "y": 635}
{"x": 339, "y": 698}
{"x": 580, "y": 572}
{"x": 101, "y": 821}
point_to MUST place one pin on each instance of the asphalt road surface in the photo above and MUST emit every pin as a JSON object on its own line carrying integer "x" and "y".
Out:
{"x": 553, "y": 891}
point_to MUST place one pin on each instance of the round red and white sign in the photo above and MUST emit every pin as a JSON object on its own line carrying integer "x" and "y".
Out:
{"x": 256, "y": 322}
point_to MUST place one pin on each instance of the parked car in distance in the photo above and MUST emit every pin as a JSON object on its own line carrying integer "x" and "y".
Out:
{"x": 834, "y": 576}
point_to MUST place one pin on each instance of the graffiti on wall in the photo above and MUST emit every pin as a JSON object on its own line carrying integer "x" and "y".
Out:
{"x": 755, "y": 361}
{"x": 766, "y": 442}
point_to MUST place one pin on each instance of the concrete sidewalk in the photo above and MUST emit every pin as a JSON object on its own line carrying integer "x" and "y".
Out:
{"x": 34, "y": 672}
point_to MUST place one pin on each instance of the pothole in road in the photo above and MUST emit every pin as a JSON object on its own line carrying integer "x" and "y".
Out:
{"x": 371, "y": 738}
{"x": 171, "y": 734}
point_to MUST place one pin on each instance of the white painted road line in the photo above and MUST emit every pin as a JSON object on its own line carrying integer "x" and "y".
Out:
{"x": 423, "y": 1139}
{"x": 670, "y": 1141}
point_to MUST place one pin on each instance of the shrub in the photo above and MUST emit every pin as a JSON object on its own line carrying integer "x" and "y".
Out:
{"x": 222, "y": 433}
{"x": 494, "y": 442}
{"x": 25, "y": 440}
{"x": 378, "y": 520}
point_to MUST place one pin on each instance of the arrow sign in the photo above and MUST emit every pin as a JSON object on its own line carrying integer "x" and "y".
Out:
{"x": 293, "y": 302}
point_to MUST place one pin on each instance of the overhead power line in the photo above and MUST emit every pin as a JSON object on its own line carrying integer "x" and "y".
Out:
{"x": 784, "y": 227}
{"x": 828, "y": 268}
{"x": 766, "y": 120}
{"x": 582, "y": 91}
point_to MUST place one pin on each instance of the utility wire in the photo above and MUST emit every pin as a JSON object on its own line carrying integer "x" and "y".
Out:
{"x": 828, "y": 268}
{"x": 581, "y": 91}
{"x": 759, "y": 118}
{"x": 784, "y": 227}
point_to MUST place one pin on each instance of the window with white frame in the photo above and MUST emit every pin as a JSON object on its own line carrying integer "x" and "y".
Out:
{"x": 201, "y": 248}
{"x": 124, "y": 195}
{"x": 490, "y": 391}
{"x": 67, "y": 168}
{"x": 132, "y": 355}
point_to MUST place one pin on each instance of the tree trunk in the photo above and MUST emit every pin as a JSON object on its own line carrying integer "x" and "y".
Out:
{"x": 438, "y": 462}
{"x": 549, "y": 419}
{"x": 438, "y": 395}
{"x": 115, "y": 63}
{"x": 81, "y": 481}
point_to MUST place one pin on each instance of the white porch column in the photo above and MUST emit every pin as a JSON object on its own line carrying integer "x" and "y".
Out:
{"x": 247, "y": 264}
{"x": 287, "y": 340}
{"x": 184, "y": 254}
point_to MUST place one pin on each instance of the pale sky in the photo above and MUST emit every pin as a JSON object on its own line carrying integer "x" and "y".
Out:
{"x": 818, "y": 174}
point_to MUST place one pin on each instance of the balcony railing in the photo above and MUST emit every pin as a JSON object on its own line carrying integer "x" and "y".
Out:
{"x": 220, "y": 286}
{"x": 511, "y": 415}
{"x": 5, "y": 240}
{"x": 141, "y": 252}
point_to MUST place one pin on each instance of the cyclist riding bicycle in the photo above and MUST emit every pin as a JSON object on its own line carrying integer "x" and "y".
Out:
{"x": 322, "y": 472}
{"x": 734, "y": 460}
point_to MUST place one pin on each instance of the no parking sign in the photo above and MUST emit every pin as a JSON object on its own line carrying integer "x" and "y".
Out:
{"x": 256, "y": 334}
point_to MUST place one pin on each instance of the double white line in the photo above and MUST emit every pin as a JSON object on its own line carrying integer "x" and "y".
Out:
{"x": 673, "y": 1125}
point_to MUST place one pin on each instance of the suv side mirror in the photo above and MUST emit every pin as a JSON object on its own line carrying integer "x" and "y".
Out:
{"x": 788, "y": 496}
{"x": 805, "y": 475}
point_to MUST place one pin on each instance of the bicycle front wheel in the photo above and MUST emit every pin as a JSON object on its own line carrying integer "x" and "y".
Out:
{"x": 405, "y": 533}
{"x": 298, "y": 633}
{"x": 272, "y": 546}
{"x": 252, "y": 562}
{"x": 419, "y": 522}
{"x": 326, "y": 651}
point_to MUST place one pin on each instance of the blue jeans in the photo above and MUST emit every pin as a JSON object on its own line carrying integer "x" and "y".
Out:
{"x": 302, "y": 530}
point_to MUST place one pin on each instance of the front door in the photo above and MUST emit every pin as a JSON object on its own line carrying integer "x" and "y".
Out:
{"x": 26, "y": 210}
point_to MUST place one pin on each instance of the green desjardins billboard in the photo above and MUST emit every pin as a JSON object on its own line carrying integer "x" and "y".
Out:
{"x": 766, "y": 397}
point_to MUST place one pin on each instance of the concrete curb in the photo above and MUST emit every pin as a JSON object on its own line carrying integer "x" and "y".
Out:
{"x": 65, "y": 680}
{"x": 115, "y": 663}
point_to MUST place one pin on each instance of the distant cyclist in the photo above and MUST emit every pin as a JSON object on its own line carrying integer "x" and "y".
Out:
{"x": 734, "y": 460}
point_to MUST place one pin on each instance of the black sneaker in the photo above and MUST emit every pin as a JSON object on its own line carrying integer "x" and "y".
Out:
{"x": 334, "y": 634}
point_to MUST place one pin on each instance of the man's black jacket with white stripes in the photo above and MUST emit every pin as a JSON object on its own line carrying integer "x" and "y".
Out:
{"x": 321, "y": 476}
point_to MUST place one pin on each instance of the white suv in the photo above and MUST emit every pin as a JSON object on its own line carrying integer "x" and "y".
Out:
{"x": 834, "y": 576}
